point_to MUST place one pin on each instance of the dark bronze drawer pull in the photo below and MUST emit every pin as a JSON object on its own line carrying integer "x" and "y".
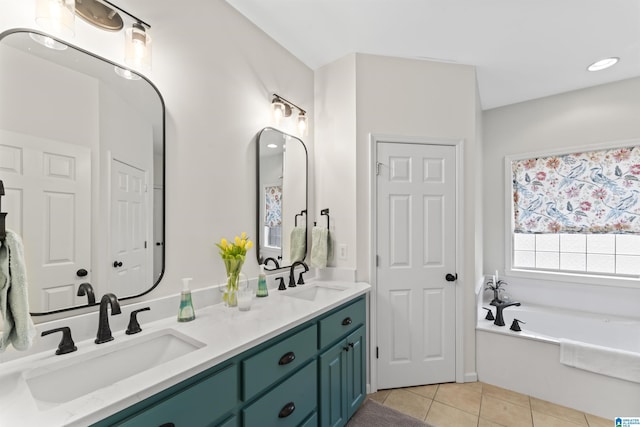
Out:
{"x": 287, "y": 358}
{"x": 347, "y": 321}
{"x": 287, "y": 410}
{"x": 168, "y": 425}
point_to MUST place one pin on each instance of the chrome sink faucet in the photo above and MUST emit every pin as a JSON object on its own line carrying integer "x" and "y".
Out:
{"x": 104, "y": 331}
{"x": 500, "y": 306}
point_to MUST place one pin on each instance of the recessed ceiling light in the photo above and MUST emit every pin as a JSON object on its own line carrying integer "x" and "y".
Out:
{"x": 603, "y": 64}
{"x": 272, "y": 146}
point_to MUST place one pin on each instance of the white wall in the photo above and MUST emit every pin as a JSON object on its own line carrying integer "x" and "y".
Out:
{"x": 335, "y": 103}
{"x": 216, "y": 72}
{"x": 571, "y": 120}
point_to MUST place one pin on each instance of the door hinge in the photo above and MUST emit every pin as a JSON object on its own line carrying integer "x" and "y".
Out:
{"x": 378, "y": 164}
{"x": 377, "y": 353}
{"x": 145, "y": 244}
{"x": 377, "y": 260}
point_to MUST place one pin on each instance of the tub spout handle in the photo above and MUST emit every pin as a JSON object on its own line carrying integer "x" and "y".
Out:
{"x": 515, "y": 325}
{"x": 489, "y": 315}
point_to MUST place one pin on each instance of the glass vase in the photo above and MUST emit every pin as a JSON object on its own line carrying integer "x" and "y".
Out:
{"x": 234, "y": 278}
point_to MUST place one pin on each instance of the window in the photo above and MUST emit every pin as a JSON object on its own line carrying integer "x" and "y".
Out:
{"x": 577, "y": 212}
{"x": 273, "y": 216}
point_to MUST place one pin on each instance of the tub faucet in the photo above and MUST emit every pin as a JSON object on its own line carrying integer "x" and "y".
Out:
{"x": 292, "y": 280}
{"x": 500, "y": 306}
{"x": 104, "y": 331}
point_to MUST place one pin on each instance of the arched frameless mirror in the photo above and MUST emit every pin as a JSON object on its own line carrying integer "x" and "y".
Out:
{"x": 281, "y": 199}
{"x": 82, "y": 161}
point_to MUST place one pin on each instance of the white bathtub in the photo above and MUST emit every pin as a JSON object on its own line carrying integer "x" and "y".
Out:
{"x": 529, "y": 361}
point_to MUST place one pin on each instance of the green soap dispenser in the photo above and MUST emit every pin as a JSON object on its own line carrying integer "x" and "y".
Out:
{"x": 262, "y": 283}
{"x": 186, "y": 313}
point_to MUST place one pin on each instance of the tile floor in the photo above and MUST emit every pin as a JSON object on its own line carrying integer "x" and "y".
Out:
{"x": 482, "y": 405}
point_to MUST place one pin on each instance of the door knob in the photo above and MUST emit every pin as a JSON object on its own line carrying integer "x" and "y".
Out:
{"x": 82, "y": 272}
{"x": 117, "y": 264}
{"x": 450, "y": 277}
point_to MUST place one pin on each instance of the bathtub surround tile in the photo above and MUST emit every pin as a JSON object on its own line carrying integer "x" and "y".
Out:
{"x": 594, "y": 421}
{"x": 460, "y": 396}
{"x": 504, "y": 394}
{"x": 505, "y": 413}
{"x": 408, "y": 403}
{"x": 443, "y": 415}
{"x": 545, "y": 420}
{"x": 568, "y": 414}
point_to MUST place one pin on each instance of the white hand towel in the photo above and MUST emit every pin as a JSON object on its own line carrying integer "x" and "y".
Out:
{"x": 602, "y": 360}
{"x": 321, "y": 248}
{"x": 298, "y": 247}
{"x": 18, "y": 328}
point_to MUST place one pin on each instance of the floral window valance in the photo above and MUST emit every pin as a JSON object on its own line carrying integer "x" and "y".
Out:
{"x": 273, "y": 206}
{"x": 590, "y": 192}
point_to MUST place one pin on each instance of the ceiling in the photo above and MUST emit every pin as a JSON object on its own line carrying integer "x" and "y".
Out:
{"x": 522, "y": 49}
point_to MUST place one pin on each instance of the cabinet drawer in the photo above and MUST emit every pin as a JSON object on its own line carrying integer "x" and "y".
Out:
{"x": 198, "y": 405}
{"x": 277, "y": 361}
{"x": 288, "y": 404}
{"x": 342, "y": 322}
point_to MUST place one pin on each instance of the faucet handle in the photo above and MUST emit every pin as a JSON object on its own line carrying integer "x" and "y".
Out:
{"x": 282, "y": 286}
{"x": 489, "y": 315}
{"x": 66, "y": 343}
{"x": 134, "y": 326}
{"x": 515, "y": 325}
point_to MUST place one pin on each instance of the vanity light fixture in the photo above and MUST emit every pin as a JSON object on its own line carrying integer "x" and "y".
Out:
{"x": 56, "y": 16}
{"x": 603, "y": 64}
{"x": 283, "y": 108}
{"x": 137, "y": 47}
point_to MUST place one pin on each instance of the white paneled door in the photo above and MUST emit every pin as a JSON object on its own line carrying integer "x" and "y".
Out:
{"x": 416, "y": 248}
{"x": 48, "y": 185}
{"x": 129, "y": 224}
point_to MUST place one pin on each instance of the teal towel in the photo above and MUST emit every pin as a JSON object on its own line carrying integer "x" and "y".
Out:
{"x": 17, "y": 326}
{"x": 298, "y": 247}
{"x": 321, "y": 247}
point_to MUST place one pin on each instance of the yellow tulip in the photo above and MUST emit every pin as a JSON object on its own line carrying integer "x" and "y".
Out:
{"x": 223, "y": 242}
{"x": 243, "y": 236}
{"x": 237, "y": 240}
{"x": 242, "y": 243}
{"x": 249, "y": 244}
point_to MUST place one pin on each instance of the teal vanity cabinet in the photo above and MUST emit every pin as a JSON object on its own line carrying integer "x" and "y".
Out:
{"x": 342, "y": 364}
{"x": 312, "y": 375}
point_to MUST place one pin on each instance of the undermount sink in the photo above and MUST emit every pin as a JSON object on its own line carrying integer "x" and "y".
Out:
{"x": 69, "y": 379}
{"x": 311, "y": 293}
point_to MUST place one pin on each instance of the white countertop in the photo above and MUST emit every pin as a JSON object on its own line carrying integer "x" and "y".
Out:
{"x": 226, "y": 332}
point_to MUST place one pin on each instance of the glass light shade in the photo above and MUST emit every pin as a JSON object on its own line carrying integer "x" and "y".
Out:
{"x": 278, "y": 111}
{"x": 302, "y": 124}
{"x": 56, "y": 16}
{"x": 137, "y": 50}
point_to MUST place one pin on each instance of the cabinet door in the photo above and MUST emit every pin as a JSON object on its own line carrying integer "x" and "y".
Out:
{"x": 333, "y": 386}
{"x": 199, "y": 405}
{"x": 356, "y": 370}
